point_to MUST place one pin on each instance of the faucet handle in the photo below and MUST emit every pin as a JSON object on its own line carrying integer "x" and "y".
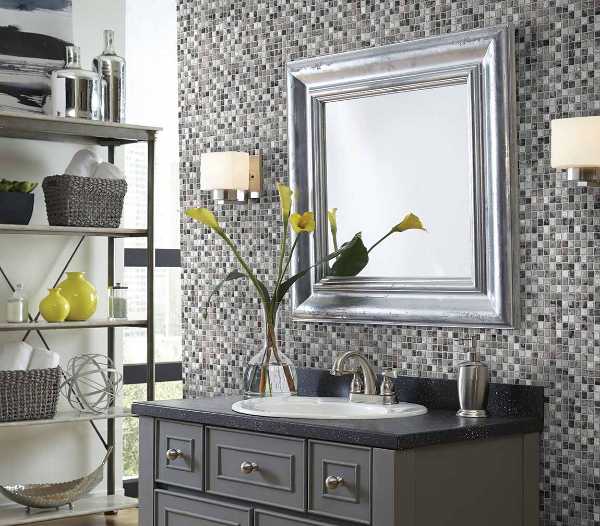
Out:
{"x": 358, "y": 385}
{"x": 387, "y": 388}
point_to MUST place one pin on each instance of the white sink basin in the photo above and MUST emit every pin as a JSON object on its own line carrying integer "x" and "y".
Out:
{"x": 323, "y": 408}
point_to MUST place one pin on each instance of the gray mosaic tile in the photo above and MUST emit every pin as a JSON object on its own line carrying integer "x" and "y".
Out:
{"x": 232, "y": 58}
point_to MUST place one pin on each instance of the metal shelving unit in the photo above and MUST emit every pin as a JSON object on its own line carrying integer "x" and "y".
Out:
{"x": 110, "y": 135}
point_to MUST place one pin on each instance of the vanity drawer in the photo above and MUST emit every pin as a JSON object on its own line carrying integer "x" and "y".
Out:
{"x": 177, "y": 510}
{"x": 257, "y": 467}
{"x": 270, "y": 518}
{"x": 179, "y": 454}
{"x": 351, "y": 465}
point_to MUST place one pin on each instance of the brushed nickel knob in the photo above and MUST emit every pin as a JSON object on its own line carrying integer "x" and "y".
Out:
{"x": 173, "y": 454}
{"x": 333, "y": 481}
{"x": 248, "y": 467}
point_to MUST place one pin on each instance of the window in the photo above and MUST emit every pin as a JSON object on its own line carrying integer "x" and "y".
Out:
{"x": 151, "y": 82}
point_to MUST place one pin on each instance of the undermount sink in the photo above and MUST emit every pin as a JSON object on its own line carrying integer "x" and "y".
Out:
{"x": 324, "y": 408}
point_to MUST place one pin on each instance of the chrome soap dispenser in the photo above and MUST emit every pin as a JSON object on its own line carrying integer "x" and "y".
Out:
{"x": 473, "y": 386}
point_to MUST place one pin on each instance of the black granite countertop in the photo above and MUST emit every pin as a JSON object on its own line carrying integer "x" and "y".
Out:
{"x": 436, "y": 427}
{"x": 513, "y": 410}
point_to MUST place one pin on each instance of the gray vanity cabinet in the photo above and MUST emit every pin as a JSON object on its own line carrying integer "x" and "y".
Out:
{"x": 205, "y": 475}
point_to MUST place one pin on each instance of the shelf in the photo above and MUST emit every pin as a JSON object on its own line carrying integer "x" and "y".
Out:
{"x": 90, "y": 324}
{"x": 44, "y": 128}
{"x": 45, "y": 230}
{"x": 63, "y": 417}
{"x": 14, "y": 515}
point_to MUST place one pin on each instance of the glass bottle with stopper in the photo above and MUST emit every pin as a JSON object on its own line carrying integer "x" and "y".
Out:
{"x": 16, "y": 308}
{"x": 117, "y": 301}
{"x": 111, "y": 68}
{"x": 75, "y": 91}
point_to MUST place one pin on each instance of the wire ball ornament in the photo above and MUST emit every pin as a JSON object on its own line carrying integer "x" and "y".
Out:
{"x": 92, "y": 383}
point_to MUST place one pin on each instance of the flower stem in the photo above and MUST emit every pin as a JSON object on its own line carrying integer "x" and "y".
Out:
{"x": 383, "y": 238}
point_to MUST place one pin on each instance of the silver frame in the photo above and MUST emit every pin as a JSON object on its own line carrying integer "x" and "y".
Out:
{"x": 484, "y": 60}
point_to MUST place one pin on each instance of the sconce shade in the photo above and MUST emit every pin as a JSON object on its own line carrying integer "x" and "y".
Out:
{"x": 575, "y": 143}
{"x": 225, "y": 171}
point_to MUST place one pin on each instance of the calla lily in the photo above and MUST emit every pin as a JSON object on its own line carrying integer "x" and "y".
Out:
{"x": 303, "y": 222}
{"x": 204, "y": 216}
{"x": 410, "y": 222}
{"x": 331, "y": 216}
{"x": 285, "y": 199}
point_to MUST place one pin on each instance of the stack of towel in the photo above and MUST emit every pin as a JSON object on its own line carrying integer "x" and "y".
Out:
{"x": 20, "y": 356}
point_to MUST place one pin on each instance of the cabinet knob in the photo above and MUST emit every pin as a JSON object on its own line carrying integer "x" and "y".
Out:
{"x": 173, "y": 454}
{"x": 248, "y": 467}
{"x": 333, "y": 481}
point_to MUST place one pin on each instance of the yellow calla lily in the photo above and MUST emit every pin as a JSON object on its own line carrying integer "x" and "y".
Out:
{"x": 285, "y": 199}
{"x": 331, "y": 215}
{"x": 204, "y": 216}
{"x": 303, "y": 222}
{"x": 410, "y": 222}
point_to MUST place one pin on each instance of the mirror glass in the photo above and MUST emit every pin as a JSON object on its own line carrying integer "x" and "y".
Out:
{"x": 405, "y": 151}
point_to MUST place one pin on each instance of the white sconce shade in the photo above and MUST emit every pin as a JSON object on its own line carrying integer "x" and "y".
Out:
{"x": 225, "y": 170}
{"x": 231, "y": 175}
{"x": 575, "y": 144}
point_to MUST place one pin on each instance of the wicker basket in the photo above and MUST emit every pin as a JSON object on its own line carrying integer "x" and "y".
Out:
{"x": 29, "y": 395}
{"x": 84, "y": 201}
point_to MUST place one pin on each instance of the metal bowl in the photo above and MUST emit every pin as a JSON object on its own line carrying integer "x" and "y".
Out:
{"x": 55, "y": 495}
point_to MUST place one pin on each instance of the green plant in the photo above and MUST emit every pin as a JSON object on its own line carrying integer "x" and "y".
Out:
{"x": 349, "y": 259}
{"x": 24, "y": 187}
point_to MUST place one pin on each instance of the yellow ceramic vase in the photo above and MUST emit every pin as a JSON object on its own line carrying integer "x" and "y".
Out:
{"x": 54, "y": 307}
{"x": 81, "y": 295}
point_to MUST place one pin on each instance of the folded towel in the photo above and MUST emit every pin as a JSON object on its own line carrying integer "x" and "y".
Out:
{"x": 83, "y": 164}
{"x": 107, "y": 171}
{"x": 15, "y": 356}
{"x": 43, "y": 359}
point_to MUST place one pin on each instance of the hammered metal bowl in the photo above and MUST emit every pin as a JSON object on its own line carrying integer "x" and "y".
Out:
{"x": 55, "y": 495}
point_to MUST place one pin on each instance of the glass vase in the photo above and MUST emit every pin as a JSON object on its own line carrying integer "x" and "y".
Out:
{"x": 270, "y": 372}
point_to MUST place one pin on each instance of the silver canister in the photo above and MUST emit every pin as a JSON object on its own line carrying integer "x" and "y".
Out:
{"x": 111, "y": 68}
{"x": 473, "y": 388}
{"x": 75, "y": 91}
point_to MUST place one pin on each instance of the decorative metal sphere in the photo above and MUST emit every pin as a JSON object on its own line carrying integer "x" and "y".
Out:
{"x": 92, "y": 383}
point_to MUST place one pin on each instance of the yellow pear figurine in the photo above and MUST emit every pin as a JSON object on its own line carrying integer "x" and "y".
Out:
{"x": 54, "y": 307}
{"x": 81, "y": 295}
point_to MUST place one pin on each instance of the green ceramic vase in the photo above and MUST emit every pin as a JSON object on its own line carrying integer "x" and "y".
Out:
{"x": 81, "y": 295}
{"x": 54, "y": 307}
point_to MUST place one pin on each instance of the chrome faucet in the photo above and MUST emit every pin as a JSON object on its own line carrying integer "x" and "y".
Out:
{"x": 364, "y": 383}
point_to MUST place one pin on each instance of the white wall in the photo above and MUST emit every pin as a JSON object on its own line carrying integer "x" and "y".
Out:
{"x": 55, "y": 452}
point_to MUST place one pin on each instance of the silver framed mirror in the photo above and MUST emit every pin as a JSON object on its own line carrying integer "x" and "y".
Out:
{"x": 426, "y": 126}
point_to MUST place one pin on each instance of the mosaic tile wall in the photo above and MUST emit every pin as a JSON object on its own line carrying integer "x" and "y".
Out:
{"x": 233, "y": 96}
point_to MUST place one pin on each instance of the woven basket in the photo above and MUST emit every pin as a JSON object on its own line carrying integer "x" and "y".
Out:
{"x": 29, "y": 395}
{"x": 84, "y": 201}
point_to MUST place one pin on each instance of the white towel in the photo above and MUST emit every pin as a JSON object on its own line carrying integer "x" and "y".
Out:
{"x": 43, "y": 359}
{"x": 83, "y": 164}
{"x": 15, "y": 356}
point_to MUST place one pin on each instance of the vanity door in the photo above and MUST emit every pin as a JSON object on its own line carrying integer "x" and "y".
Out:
{"x": 339, "y": 481}
{"x": 179, "y": 510}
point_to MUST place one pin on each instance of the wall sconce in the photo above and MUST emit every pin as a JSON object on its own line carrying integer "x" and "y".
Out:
{"x": 231, "y": 176}
{"x": 575, "y": 146}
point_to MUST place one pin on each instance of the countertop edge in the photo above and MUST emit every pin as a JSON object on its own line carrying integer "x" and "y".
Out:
{"x": 479, "y": 430}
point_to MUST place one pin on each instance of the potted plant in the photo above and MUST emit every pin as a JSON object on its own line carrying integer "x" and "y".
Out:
{"x": 270, "y": 372}
{"x": 16, "y": 201}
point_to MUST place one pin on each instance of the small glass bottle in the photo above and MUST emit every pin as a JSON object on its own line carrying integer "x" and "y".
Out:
{"x": 16, "y": 308}
{"x": 117, "y": 302}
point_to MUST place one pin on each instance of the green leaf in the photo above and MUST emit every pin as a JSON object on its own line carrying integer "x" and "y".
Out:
{"x": 234, "y": 274}
{"x": 285, "y": 286}
{"x": 352, "y": 260}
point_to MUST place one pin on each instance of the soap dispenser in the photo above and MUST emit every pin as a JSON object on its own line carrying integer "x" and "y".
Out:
{"x": 473, "y": 385}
